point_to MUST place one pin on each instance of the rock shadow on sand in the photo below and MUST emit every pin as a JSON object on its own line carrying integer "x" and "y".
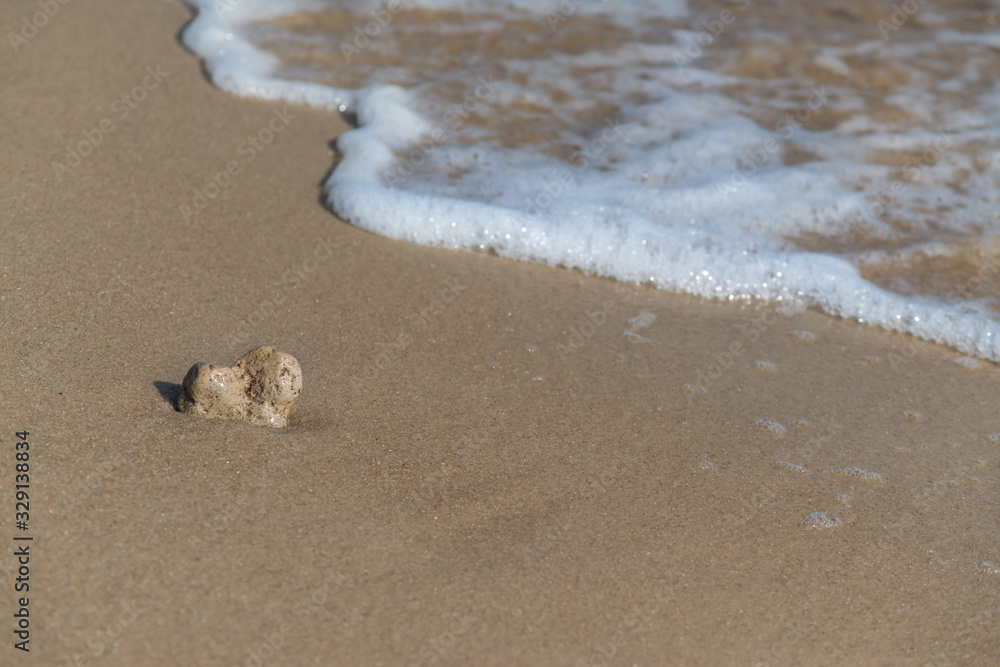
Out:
{"x": 170, "y": 391}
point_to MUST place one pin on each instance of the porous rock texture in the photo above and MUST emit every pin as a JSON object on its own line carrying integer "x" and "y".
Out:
{"x": 259, "y": 388}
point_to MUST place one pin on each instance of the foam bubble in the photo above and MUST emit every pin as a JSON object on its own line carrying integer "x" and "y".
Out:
{"x": 634, "y": 337}
{"x": 967, "y": 362}
{"x": 986, "y": 567}
{"x": 641, "y": 320}
{"x": 820, "y": 521}
{"x": 860, "y": 473}
{"x": 769, "y": 425}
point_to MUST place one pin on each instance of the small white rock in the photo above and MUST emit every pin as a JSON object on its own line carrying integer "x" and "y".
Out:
{"x": 260, "y": 388}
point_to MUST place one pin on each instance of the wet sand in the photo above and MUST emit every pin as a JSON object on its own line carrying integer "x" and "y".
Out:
{"x": 482, "y": 468}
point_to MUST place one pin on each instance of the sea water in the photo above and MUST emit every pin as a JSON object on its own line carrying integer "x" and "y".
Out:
{"x": 839, "y": 155}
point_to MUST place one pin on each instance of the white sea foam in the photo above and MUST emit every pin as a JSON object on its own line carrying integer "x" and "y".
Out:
{"x": 860, "y": 473}
{"x": 821, "y": 521}
{"x": 662, "y": 153}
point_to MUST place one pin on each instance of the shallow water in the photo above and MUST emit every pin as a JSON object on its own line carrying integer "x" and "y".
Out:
{"x": 834, "y": 156}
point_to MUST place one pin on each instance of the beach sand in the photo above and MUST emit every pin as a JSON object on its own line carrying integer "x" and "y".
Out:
{"x": 483, "y": 468}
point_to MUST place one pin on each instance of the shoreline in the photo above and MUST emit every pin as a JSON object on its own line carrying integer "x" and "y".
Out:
{"x": 459, "y": 484}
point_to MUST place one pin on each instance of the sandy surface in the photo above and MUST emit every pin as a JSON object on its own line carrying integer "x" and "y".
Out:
{"x": 467, "y": 478}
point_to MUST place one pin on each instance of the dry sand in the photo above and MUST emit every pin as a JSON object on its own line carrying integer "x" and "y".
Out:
{"x": 460, "y": 484}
